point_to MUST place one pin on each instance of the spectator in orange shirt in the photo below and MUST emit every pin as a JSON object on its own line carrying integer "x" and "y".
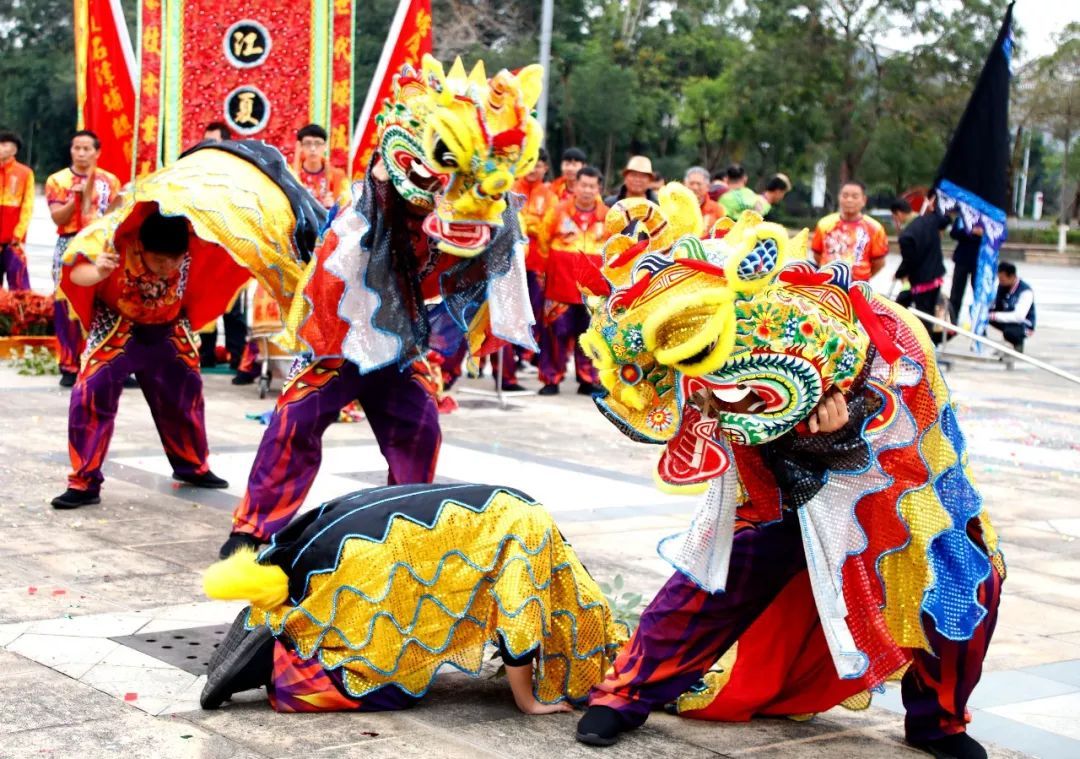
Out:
{"x": 16, "y": 206}
{"x": 850, "y": 236}
{"x": 77, "y": 196}
{"x": 697, "y": 179}
{"x": 573, "y": 159}
{"x": 327, "y": 183}
{"x": 573, "y": 235}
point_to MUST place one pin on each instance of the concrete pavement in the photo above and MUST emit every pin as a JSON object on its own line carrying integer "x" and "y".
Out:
{"x": 76, "y": 585}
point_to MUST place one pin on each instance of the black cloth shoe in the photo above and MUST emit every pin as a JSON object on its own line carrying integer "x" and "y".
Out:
{"x": 73, "y": 499}
{"x": 600, "y": 726}
{"x": 512, "y": 387}
{"x": 67, "y": 379}
{"x": 205, "y": 480}
{"x": 130, "y": 381}
{"x": 244, "y": 378}
{"x": 548, "y": 390}
{"x": 588, "y": 388}
{"x": 243, "y": 661}
{"x": 957, "y": 746}
{"x": 236, "y": 541}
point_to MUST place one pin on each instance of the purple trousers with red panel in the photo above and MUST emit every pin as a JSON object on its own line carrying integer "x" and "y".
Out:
{"x": 558, "y": 338}
{"x": 166, "y": 364}
{"x": 13, "y": 266}
{"x": 69, "y": 335}
{"x": 684, "y": 631}
{"x": 402, "y": 414}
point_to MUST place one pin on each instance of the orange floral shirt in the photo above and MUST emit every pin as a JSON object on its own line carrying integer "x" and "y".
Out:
{"x": 58, "y": 191}
{"x": 856, "y": 243}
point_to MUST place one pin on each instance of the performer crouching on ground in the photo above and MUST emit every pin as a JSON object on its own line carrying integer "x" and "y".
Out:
{"x": 356, "y": 605}
{"x": 137, "y": 327}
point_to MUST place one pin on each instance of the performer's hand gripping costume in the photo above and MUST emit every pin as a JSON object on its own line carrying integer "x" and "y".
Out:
{"x": 219, "y": 213}
{"x": 817, "y": 565}
{"x": 443, "y": 224}
{"x": 356, "y": 605}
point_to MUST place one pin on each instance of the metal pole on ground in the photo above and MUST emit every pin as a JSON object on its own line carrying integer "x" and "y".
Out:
{"x": 997, "y": 346}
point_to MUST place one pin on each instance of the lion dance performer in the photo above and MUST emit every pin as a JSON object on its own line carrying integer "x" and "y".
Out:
{"x": 433, "y": 218}
{"x": 356, "y": 605}
{"x": 818, "y": 565}
{"x": 172, "y": 255}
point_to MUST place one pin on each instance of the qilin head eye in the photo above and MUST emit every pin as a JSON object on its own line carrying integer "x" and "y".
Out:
{"x": 444, "y": 155}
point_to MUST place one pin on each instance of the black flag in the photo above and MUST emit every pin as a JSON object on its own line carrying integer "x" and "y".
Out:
{"x": 973, "y": 177}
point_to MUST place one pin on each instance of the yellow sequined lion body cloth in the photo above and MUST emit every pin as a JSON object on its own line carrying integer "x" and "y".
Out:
{"x": 386, "y": 586}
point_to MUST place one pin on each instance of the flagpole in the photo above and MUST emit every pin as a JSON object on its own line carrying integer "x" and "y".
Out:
{"x": 547, "y": 14}
{"x": 376, "y": 80}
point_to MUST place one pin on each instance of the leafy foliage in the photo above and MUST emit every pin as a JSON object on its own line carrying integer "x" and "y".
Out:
{"x": 779, "y": 85}
{"x": 35, "y": 361}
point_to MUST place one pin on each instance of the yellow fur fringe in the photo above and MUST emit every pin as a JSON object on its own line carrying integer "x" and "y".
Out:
{"x": 241, "y": 578}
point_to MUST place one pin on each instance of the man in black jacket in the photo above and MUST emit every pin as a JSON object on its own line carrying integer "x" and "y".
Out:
{"x": 965, "y": 257}
{"x": 922, "y": 262}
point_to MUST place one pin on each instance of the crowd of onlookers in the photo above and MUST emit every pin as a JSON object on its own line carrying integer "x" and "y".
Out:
{"x": 564, "y": 221}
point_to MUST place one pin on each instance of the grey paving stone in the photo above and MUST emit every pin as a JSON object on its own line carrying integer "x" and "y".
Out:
{"x": 728, "y": 738}
{"x": 140, "y": 591}
{"x": 40, "y": 698}
{"x": 131, "y": 734}
{"x": 1010, "y": 687}
{"x": 553, "y": 735}
{"x": 1063, "y": 672}
{"x": 861, "y": 744}
{"x": 259, "y": 728}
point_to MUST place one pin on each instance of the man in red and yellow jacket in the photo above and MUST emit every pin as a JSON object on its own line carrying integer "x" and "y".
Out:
{"x": 573, "y": 235}
{"x": 16, "y": 206}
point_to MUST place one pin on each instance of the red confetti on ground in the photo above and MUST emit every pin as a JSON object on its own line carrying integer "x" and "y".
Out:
{"x": 130, "y": 696}
{"x": 31, "y": 590}
{"x": 59, "y": 592}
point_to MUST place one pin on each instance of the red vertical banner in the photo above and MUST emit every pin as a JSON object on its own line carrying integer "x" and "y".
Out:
{"x": 264, "y": 67}
{"x": 408, "y": 40}
{"x": 148, "y": 149}
{"x": 341, "y": 110}
{"x": 104, "y": 80}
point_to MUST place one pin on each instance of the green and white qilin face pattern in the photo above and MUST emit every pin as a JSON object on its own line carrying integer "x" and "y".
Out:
{"x": 788, "y": 387}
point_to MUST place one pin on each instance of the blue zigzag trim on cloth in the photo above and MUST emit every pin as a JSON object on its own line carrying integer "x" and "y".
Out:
{"x": 955, "y": 607}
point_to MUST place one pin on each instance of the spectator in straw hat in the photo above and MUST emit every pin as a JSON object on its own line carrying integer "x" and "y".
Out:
{"x": 637, "y": 176}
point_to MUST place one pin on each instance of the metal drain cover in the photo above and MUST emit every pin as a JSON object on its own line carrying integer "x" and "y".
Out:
{"x": 188, "y": 649}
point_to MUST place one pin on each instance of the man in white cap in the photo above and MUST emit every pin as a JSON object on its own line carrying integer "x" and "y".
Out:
{"x": 637, "y": 176}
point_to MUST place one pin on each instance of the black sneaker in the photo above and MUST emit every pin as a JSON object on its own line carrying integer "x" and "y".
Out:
{"x": 243, "y": 661}
{"x": 958, "y": 746}
{"x": 205, "y": 480}
{"x": 236, "y": 541}
{"x": 512, "y": 387}
{"x": 548, "y": 390}
{"x": 244, "y": 378}
{"x": 67, "y": 379}
{"x": 600, "y": 726}
{"x": 73, "y": 499}
{"x": 130, "y": 382}
{"x": 588, "y": 388}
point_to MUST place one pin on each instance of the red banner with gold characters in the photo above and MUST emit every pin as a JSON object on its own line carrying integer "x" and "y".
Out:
{"x": 408, "y": 40}
{"x": 264, "y": 67}
{"x": 104, "y": 81}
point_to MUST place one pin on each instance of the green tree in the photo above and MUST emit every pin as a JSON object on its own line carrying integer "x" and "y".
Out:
{"x": 38, "y": 70}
